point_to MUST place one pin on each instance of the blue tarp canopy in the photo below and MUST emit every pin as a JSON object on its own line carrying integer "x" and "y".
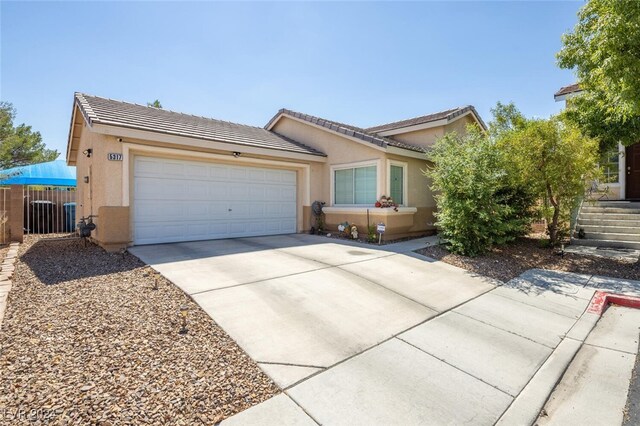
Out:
{"x": 53, "y": 173}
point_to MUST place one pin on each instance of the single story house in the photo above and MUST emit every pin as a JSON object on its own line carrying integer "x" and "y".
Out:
{"x": 620, "y": 166}
{"x": 149, "y": 175}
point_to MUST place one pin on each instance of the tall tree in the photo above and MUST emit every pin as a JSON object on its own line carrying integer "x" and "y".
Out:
{"x": 19, "y": 145}
{"x": 604, "y": 49}
{"x": 155, "y": 104}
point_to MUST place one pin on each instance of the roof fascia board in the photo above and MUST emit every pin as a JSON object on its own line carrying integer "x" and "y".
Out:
{"x": 351, "y": 138}
{"x": 429, "y": 125}
{"x": 125, "y": 132}
{"x": 70, "y": 158}
{"x": 72, "y": 126}
{"x": 566, "y": 96}
{"x": 406, "y": 152}
{"x": 414, "y": 128}
{"x": 473, "y": 115}
{"x": 274, "y": 120}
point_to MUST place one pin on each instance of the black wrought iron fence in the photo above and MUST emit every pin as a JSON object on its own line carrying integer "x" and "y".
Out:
{"x": 50, "y": 211}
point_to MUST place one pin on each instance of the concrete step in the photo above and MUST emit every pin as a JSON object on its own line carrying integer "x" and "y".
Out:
{"x": 617, "y": 204}
{"x": 606, "y": 243}
{"x": 610, "y": 229}
{"x": 607, "y": 216}
{"x": 600, "y": 221}
{"x": 624, "y": 210}
{"x": 611, "y": 236}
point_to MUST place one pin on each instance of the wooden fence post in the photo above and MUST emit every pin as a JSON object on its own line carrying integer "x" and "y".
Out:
{"x": 16, "y": 213}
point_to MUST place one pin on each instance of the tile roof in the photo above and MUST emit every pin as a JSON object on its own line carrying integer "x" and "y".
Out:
{"x": 123, "y": 114}
{"x": 572, "y": 88}
{"x": 449, "y": 114}
{"x": 348, "y": 130}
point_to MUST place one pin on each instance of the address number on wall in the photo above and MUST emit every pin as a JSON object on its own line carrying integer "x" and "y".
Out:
{"x": 114, "y": 156}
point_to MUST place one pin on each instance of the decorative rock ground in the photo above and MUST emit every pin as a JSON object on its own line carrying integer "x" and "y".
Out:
{"x": 87, "y": 340}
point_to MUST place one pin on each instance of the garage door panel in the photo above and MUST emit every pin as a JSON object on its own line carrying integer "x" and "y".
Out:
{"x": 177, "y": 200}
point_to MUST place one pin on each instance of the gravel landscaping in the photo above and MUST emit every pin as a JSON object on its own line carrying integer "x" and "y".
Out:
{"x": 505, "y": 263}
{"x": 87, "y": 340}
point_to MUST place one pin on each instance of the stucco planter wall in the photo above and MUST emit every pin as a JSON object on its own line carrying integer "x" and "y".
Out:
{"x": 397, "y": 222}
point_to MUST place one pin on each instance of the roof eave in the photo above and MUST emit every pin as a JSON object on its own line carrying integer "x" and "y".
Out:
{"x": 470, "y": 110}
{"x": 559, "y": 97}
{"x": 132, "y": 132}
{"x": 382, "y": 146}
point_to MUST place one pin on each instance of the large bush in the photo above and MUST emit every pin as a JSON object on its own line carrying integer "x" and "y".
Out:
{"x": 490, "y": 185}
{"x": 479, "y": 205}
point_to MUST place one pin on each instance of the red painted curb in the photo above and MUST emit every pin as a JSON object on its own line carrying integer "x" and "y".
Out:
{"x": 602, "y": 299}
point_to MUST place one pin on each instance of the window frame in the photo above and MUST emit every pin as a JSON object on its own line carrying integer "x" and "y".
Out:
{"x": 613, "y": 172}
{"x": 356, "y": 165}
{"x": 405, "y": 168}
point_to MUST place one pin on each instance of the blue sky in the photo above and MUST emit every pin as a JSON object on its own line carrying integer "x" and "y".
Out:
{"x": 360, "y": 63}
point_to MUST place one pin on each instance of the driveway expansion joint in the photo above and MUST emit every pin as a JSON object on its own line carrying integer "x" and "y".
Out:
{"x": 538, "y": 307}
{"x": 508, "y": 331}
{"x": 287, "y": 364}
{"x": 456, "y": 367}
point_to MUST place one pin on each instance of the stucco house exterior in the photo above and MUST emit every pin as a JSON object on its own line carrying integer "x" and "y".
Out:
{"x": 620, "y": 166}
{"x": 149, "y": 175}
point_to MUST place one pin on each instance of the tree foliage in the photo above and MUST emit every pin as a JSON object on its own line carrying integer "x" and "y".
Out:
{"x": 490, "y": 185}
{"x": 155, "y": 104}
{"x": 478, "y": 207}
{"x": 557, "y": 163}
{"x": 19, "y": 145}
{"x": 604, "y": 49}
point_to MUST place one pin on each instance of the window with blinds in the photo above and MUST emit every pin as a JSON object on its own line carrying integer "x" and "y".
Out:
{"x": 355, "y": 186}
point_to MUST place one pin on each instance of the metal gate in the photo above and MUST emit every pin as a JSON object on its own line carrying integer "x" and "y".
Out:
{"x": 50, "y": 211}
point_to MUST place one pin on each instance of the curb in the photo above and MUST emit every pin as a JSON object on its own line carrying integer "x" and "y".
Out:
{"x": 6, "y": 273}
{"x": 601, "y": 300}
{"x": 526, "y": 407}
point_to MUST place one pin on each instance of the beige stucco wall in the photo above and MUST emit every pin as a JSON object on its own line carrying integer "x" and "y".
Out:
{"x": 424, "y": 137}
{"x": 341, "y": 150}
{"x": 427, "y": 137}
{"x": 103, "y": 195}
{"x": 460, "y": 126}
{"x": 105, "y": 183}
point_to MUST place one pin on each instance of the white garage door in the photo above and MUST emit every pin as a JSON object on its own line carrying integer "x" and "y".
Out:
{"x": 176, "y": 200}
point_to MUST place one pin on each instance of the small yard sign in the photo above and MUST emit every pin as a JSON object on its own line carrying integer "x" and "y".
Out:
{"x": 114, "y": 156}
{"x": 381, "y": 227}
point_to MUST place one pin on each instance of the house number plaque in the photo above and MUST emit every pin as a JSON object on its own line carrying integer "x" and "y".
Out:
{"x": 114, "y": 156}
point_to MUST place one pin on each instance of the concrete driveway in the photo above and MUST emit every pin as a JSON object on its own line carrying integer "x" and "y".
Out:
{"x": 359, "y": 334}
{"x": 299, "y": 304}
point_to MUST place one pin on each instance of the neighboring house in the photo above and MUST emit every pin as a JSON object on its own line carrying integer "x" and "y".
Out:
{"x": 620, "y": 166}
{"x": 150, "y": 175}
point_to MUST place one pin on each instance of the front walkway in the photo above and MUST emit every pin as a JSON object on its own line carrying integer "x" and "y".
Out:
{"x": 357, "y": 334}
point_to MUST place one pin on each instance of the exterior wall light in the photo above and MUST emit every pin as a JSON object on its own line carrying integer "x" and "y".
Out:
{"x": 88, "y": 152}
{"x": 237, "y": 154}
{"x": 86, "y": 179}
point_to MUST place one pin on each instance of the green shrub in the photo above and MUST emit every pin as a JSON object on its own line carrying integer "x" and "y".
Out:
{"x": 478, "y": 206}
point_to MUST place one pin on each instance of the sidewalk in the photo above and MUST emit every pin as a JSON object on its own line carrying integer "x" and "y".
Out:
{"x": 494, "y": 359}
{"x": 594, "y": 388}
